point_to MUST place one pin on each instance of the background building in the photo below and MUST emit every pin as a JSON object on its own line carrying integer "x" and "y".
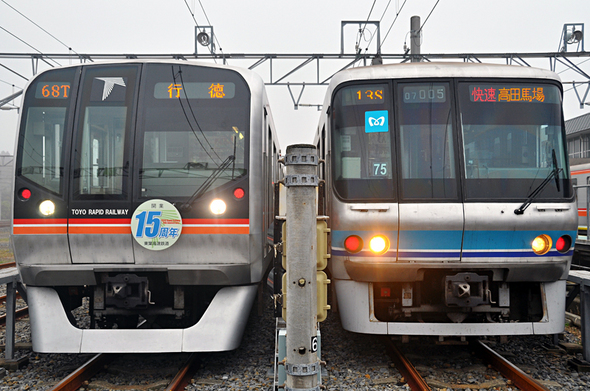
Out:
{"x": 577, "y": 132}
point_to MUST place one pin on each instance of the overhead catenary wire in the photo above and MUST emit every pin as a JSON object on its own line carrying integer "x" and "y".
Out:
{"x": 202, "y": 30}
{"x": 569, "y": 69}
{"x": 208, "y": 21}
{"x": 392, "y": 23}
{"x": 10, "y": 84}
{"x": 31, "y": 46}
{"x": 45, "y": 31}
{"x": 426, "y": 20}
{"x": 380, "y": 19}
{"x": 13, "y": 71}
{"x": 361, "y": 31}
{"x": 192, "y": 14}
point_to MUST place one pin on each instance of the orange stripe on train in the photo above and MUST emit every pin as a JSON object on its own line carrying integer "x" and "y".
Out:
{"x": 40, "y": 230}
{"x": 123, "y": 226}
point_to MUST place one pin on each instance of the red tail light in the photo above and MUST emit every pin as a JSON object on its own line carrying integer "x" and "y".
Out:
{"x": 239, "y": 193}
{"x": 25, "y": 194}
{"x": 353, "y": 244}
{"x": 563, "y": 244}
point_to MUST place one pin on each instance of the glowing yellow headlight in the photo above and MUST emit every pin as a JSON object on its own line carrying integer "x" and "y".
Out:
{"x": 379, "y": 244}
{"x": 47, "y": 208}
{"x": 542, "y": 244}
{"x": 217, "y": 207}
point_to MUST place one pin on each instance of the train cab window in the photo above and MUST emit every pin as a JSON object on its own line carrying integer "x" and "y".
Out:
{"x": 426, "y": 141}
{"x": 103, "y": 129}
{"x": 194, "y": 130}
{"x": 510, "y": 133}
{"x": 42, "y": 142}
{"x": 362, "y": 159}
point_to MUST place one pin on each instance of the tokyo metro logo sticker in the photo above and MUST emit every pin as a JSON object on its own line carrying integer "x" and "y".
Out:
{"x": 376, "y": 121}
{"x": 156, "y": 225}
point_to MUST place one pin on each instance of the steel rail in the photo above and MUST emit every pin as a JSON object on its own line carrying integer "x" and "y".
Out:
{"x": 185, "y": 374}
{"x": 21, "y": 313}
{"x": 506, "y": 368}
{"x": 7, "y": 265}
{"x": 76, "y": 379}
{"x": 405, "y": 367}
{"x": 3, "y": 298}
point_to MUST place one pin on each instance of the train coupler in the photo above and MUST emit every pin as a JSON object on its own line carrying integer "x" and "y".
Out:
{"x": 126, "y": 291}
{"x": 466, "y": 290}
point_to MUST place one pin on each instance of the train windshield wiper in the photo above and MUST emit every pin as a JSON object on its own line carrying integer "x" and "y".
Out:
{"x": 554, "y": 174}
{"x": 208, "y": 182}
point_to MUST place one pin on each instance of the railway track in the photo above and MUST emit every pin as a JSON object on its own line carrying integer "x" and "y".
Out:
{"x": 81, "y": 376}
{"x": 513, "y": 374}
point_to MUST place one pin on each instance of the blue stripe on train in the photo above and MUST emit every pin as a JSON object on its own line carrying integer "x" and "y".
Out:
{"x": 447, "y": 244}
{"x": 454, "y": 254}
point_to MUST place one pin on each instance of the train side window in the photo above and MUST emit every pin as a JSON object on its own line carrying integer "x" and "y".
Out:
{"x": 42, "y": 142}
{"x": 105, "y": 118}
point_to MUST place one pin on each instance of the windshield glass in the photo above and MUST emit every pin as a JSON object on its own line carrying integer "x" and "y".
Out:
{"x": 426, "y": 141}
{"x": 363, "y": 167}
{"x": 510, "y": 131}
{"x": 47, "y": 103}
{"x": 194, "y": 119}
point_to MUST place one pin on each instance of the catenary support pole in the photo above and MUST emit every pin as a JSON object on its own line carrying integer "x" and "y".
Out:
{"x": 302, "y": 364}
{"x": 415, "y": 40}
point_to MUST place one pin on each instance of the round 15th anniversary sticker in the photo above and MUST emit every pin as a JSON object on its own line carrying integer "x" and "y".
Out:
{"x": 156, "y": 224}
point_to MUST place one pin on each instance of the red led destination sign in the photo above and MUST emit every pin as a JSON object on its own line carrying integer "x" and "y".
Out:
{"x": 506, "y": 94}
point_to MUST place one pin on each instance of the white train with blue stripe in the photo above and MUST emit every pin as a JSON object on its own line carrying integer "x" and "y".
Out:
{"x": 450, "y": 200}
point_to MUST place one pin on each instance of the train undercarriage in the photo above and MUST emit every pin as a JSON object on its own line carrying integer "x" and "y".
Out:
{"x": 137, "y": 300}
{"x": 458, "y": 297}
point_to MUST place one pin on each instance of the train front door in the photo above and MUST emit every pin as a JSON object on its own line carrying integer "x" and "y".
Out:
{"x": 99, "y": 220}
{"x": 430, "y": 210}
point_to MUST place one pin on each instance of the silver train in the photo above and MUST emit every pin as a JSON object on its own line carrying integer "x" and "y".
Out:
{"x": 146, "y": 190}
{"x": 450, "y": 201}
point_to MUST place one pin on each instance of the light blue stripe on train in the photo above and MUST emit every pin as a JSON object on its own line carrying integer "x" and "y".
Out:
{"x": 451, "y": 243}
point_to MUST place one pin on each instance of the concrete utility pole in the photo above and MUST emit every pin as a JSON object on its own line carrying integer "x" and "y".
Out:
{"x": 415, "y": 38}
{"x": 302, "y": 365}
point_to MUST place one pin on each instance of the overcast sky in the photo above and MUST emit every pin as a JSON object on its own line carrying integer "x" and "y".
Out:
{"x": 278, "y": 26}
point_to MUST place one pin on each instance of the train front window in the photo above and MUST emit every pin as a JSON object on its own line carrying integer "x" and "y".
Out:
{"x": 426, "y": 141}
{"x": 46, "y": 109}
{"x": 104, "y": 125}
{"x": 510, "y": 132}
{"x": 195, "y": 129}
{"x": 362, "y": 159}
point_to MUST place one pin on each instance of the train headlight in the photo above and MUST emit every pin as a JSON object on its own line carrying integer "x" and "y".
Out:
{"x": 563, "y": 244}
{"x": 353, "y": 244}
{"x": 217, "y": 207}
{"x": 542, "y": 244}
{"x": 47, "y": 208}
{"x": 379, "y": 244}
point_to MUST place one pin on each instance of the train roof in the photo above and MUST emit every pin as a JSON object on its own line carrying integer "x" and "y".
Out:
{"x": 442, "y": 69}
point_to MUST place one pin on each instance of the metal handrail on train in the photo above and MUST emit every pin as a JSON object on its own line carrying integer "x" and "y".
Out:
{"x": 587, "y": 186}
